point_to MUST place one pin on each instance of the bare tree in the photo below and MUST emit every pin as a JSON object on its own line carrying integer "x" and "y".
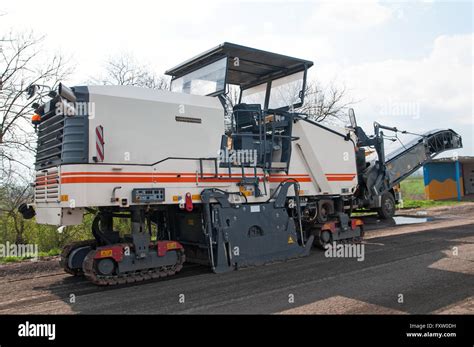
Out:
{"x": 326, "y": 104}
{"x": 20, "y": 66}
{"x": 321, "y": 104}
{"x": 232, "y": 98}
{"x": 125, "y": 70}
{"x": 22, "y": 63}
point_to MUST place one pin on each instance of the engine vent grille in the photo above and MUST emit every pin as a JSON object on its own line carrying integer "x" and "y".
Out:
{"x": 47, "y": 185}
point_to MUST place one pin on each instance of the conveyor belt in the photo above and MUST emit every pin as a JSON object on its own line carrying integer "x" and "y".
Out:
{"x": 412, "y": 155}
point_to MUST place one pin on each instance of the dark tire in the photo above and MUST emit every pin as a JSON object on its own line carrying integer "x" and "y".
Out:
{"x": 323, "y": 213}
{"x": 387, "y": 208}
{"x": 322, "y": 239}
{"x": 67, "y": 250}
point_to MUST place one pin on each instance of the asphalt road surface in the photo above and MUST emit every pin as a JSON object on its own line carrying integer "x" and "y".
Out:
{"x": 420, "y": 268}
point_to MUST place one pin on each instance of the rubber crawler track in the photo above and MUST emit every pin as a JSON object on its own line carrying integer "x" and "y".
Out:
{"x": 131, "y": 276}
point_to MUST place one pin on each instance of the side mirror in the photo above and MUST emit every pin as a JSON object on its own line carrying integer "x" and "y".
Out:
{"x": 352, "y": 118}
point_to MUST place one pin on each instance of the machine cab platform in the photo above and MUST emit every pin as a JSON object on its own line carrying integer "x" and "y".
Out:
{"x": 272, "y": 80}
{"x": 269, "y": 87}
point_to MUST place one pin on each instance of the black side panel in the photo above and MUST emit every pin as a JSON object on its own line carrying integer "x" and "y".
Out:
{"x": 50, "y": 136}
{"x": 76, "y": 131}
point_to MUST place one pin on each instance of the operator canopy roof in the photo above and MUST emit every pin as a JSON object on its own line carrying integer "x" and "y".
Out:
{"x": 246, "y": 66}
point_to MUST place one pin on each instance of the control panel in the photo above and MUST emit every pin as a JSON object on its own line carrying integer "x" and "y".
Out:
{"x": 148, "y": 195}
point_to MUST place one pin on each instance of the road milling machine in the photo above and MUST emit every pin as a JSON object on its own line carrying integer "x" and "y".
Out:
{"x": 262, "y": 187}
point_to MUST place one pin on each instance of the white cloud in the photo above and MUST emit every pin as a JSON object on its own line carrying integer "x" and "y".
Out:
{"x": 343, "y": 16}
{"x": 417, "y": 95}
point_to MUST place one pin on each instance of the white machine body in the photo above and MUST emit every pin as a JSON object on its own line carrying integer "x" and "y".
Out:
{"x": 149, "y": 138}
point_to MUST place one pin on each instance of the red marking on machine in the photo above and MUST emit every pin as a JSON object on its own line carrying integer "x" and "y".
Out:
{"x": 355, "y": 223}
{"x": 115, "y": 252}
{"x": 47, "y": 180}
{"x": 331, "y": 226}
{"x": 188, "y": 203}
{"x": 99, "y": 143}
{"x": 165, "y": 246}
{"x": 340, "y": 177}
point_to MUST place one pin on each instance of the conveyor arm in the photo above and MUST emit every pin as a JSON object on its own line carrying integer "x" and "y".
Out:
{"x": 409, "y": 158}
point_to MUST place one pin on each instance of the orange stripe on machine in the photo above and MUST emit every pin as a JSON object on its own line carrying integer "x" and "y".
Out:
{"x": 340, "y": 177}
{"x": 87, "y": 173}
{"x": 171, "y": 177}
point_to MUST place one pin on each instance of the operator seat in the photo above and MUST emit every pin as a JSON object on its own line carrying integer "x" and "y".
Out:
{"x": 246, "y": 117}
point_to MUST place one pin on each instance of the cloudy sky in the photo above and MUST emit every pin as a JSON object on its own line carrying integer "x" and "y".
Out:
{"x": 408, "y": 64}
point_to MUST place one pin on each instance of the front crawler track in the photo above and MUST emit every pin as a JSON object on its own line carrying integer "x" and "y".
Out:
{"x": 67, "y": 251}
{"x": 92, "y": 275}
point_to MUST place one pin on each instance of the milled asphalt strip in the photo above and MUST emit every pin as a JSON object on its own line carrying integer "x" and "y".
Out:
{"x": 259, "y": 280}
{"x": 154, "y": 297}
{"x": 406, "y": 229}
{"x": 394, "y": 249}
{"x": 295, "y": 286}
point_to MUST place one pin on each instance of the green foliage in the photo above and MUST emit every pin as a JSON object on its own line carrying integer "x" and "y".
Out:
{"x": 413, "y": 188}
{"x": 407, "y": 203}
{"x": 11, "y": 259}
{"x": 48, "y": 239}
{"x": 51, "y": 253}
